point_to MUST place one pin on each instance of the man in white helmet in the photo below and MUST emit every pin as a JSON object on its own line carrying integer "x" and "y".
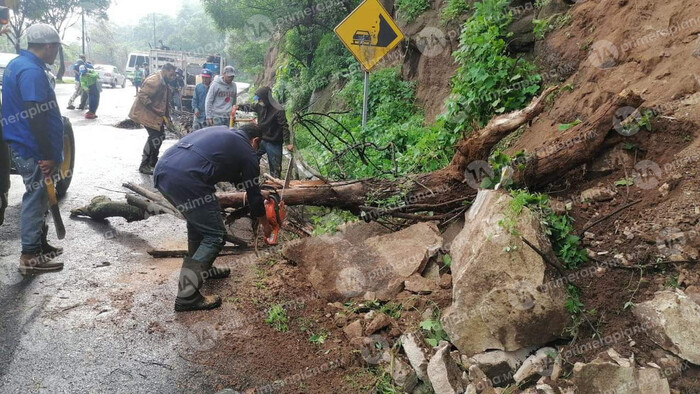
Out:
{"x": 33, "y": 128}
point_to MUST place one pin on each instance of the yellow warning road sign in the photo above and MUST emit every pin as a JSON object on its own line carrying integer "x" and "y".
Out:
{"x": 369, "y": 33}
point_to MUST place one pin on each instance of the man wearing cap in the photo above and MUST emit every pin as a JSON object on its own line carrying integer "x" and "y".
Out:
{"x": 151, "y": 109}
{"x": 221, "y": 98}
{"x": 199, "y": 100}
{"x": 33, "y": 128}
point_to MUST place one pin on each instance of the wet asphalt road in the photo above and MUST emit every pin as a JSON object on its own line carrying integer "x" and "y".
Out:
{"x": 105, "y": 323}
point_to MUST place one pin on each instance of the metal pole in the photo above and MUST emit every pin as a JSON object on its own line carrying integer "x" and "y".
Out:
{"x": 84, "y": 32}
{"x": 365, "y": 101}
{"x": 155, "y": 44}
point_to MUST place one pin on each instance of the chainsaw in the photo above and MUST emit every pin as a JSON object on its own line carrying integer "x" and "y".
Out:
{"x": 276, "y": 213}
{"x": 275, "y": 209}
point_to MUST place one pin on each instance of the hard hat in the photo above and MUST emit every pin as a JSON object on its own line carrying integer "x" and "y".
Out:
{"x": 41, "y": 33}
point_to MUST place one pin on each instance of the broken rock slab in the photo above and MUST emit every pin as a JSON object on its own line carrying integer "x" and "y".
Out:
{"x": 672, "y": 320}
{"x": 403, "y": 375}
{"x": 340, "y": 268}
{"x": 502, "y": 299}
{"x": 499, "y": 365}
{"x": 443, "y": 372}
{"x": 604, "y": 375}
{"x": 417, "y": 353}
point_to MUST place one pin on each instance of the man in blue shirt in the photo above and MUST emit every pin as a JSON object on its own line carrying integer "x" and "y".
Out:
{"x": 78, "y": 89}
{"x": 199, "y": 101}
{"x": 33, "y": 128}
{"x": 186, "y": 175}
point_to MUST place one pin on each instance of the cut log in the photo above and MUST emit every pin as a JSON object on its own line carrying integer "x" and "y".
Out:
{"x": 154, "y": 196}
{"x": 101, "y": 208}
{"x": 575, "y": 146}
{"x": 148, "y": 206}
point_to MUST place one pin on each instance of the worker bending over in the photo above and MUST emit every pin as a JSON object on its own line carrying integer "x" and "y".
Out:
{"x": 186, "y": 175}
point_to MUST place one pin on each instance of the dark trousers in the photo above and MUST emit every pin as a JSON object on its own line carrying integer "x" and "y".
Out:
{"x": 206, "y": 233}
{"x": 94, "y": 98}
{"x": 152, "y": 147}
{"x": 274, "y": 156}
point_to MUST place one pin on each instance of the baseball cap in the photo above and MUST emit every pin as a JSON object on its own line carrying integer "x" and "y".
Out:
{"x": 206, "y": 73}
{"x": 229, "y": 71}
{"x": 41, "y": 33}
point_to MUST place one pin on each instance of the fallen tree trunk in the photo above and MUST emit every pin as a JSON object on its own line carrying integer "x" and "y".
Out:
{"x": 446, "y": 190}
{"x": 423, "y": 192}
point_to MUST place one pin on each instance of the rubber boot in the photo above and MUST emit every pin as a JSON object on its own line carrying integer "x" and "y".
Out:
{"x": 212, "y": 272}
{"x": 191, "y": 279}
{"x": 144, "y": 168}
{"x": 45, "y": 247}
{"x": 3, "y": 206}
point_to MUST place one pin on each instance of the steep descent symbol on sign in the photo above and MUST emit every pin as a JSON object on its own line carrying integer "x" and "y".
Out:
{"x": 386, "y": 35}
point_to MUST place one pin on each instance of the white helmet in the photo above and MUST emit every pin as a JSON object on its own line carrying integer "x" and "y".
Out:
{"x": 41, "y": 33}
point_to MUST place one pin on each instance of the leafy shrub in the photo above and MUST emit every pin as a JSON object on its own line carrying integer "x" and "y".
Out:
{"x": 411, "y": 9}
{"x": 400, "y": 143}
{"x": 454, "y": 9}
{"x": 488, "y": 81}
{"x": 277, "y": 318}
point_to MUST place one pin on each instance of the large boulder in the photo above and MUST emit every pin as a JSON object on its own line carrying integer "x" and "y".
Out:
{"x": 498, "y": 301}
{"x": 672, "y": 321}
{"x": 610, "y": 373}
{"x": 354, "y": 262}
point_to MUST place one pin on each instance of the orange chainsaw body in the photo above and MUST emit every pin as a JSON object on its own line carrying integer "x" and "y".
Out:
{"x": 276, "y": 213}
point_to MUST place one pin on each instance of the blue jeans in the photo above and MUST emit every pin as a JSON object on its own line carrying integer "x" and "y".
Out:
{"x": 274, "y": 156}
{"x": 35, "y": 204}
{"x": 205, "y": 232}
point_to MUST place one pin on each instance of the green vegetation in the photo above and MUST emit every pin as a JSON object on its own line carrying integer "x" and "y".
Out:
{"x": 567, "y": 126}
{"x": 411, "y": 9}
{"x": 488, "y": 81}
{"x": 544, "y": 26}
{"x": 454, "y": 9}
{"x": 559, "y": 228}
{"x": 624, "y": 182}
{"x": 432, "y": 329}
{"x": 277, "y": 318}
{"x": 327, "y": 221}
{"x": 318, "y": 339}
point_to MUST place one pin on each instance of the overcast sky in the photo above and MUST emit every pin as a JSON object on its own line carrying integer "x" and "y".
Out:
{"x": 128, "y": 12}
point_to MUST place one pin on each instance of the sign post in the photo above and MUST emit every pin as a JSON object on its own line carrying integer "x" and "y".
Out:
{"x": 369, "y": 33}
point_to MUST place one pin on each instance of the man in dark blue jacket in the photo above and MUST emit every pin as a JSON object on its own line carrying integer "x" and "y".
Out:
{"x": 186, "y": 174}
{"x": 33, "y": 127}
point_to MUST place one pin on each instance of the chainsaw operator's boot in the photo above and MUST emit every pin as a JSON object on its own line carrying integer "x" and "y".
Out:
{"x": 188, "y": 296}
{"x": 210, "y": 272}
{"x": 45, "y": 247}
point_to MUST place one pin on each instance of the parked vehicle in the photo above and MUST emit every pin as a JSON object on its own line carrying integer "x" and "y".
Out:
{"x": 191, "y": 64}
{"x": 135, "y": 58}
{"x": 110, "y": 75}
{"x": 5, "y": 58}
